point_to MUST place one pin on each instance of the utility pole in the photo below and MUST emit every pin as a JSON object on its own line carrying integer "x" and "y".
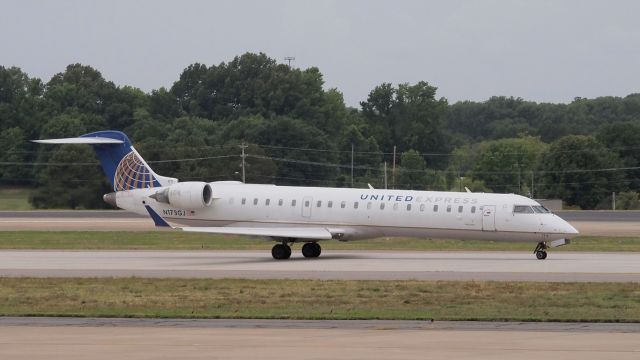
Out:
{"x": 351, "y": 165}
{"x": 289, "y": 59}
{"x": 385, "y": 175}
{"x": 532, "y": 188}
{"x": 613, "y": 201}
{"x": 393, "y": 169}
{"x": 243, "y": 156}
{"x": 519, "y": 181}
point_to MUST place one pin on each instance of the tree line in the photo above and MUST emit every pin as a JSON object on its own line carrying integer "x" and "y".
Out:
{"x": 296, "y": 132}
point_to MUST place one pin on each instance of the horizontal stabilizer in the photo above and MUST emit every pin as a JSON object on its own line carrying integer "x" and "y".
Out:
{"x": 80, "y": 140}
{"x": 315, "y": 233}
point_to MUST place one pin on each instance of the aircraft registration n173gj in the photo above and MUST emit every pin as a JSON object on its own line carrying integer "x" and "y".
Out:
{"x": 288, "y": 214}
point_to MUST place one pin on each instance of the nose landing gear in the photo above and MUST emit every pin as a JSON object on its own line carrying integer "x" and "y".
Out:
{"x": 541, "y": 251}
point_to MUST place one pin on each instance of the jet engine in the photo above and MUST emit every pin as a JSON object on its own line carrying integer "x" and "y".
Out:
{"x": 186, "y": 195}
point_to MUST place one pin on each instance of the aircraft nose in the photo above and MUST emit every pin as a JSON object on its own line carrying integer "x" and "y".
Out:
{"x": 569, "y": 229}
{"x": 564, "y": 227}
{"x": 557, "y": 225}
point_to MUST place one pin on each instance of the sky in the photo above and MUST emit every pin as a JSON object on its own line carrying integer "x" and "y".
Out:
{"x": 543, "y": 50}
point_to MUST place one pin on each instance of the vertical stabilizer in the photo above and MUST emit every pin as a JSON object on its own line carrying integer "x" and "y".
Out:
{"x": 121, "y": 163}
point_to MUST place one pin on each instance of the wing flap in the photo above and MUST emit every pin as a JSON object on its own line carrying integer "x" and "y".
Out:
{"x": 316, "y": 233}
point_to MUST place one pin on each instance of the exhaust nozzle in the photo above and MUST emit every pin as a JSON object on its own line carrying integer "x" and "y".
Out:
{"x": 110, "y": 199}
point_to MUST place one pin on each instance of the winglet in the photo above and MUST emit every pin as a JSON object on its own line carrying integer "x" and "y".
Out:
{"x": 157, "y": 219}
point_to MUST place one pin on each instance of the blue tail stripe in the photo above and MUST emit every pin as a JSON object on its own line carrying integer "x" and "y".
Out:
{"x": 131, "y": 173}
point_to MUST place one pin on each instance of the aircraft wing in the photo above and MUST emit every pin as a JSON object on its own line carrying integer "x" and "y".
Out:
{"x": 316, "y": 233}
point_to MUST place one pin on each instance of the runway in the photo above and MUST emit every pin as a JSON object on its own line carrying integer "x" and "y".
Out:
{"x": 338, "y": 265}
{"x": 594, "y": 223}
{"x": 51, "y": 338}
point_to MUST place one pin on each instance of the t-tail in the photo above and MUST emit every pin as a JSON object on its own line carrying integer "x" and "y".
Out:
{"x": 121, "y": 163}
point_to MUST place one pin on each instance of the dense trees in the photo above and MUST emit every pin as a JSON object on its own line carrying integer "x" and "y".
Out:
{"x": 295, "y": 131}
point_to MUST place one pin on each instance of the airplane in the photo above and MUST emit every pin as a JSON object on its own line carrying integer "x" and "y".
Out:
{"x": 308, "y": 215}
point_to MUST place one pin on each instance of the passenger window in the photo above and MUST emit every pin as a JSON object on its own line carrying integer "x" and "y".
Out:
{"x": 293, "y": 203}
{"x": 343, "y": 204}
{"x": 330, "y": 204}
{"x": 306, "y": 203}
{"x": 244, "y": 201}
{"x": 319, "y": 204}
{"x": 369, "y": 205}
{"x": 473, "y": 209}
{"x": 255, "y": 201}
{"x": 421, "y": 207}
{"x": 460, "y": 208}
{"x": 381, "y": 206}
{"x": 267, "y": 202}
{"x": 280, "y": 202}
{"x": 408, "y": 207}
{"x": 355, "y": 205}
{"x": 435, "y": 208}
{"x": 448, "y": 208}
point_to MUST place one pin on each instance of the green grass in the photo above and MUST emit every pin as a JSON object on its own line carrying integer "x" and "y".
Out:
{"x": 176, "y": 240}
{"x": 15, "y": 199}
{"x": 316, "y": 299}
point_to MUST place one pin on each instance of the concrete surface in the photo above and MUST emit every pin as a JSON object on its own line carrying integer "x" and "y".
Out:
{"x": 346, "y": 265}
{"x": 103, "y": 340}
{"x": 595, "y": 223}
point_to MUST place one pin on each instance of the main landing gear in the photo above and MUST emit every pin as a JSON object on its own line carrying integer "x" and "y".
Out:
{"x": 282, "y": 251}
{"x": 541, "y": 251}
{"x": 311, "y": 250}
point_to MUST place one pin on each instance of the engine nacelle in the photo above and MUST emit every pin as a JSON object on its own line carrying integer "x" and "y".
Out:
{"x": 186, "y": 195}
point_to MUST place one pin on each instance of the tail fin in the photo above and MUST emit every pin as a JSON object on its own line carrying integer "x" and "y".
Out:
{"x": 121, "y": 163}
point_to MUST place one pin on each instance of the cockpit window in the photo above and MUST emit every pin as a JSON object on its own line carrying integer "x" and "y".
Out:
{"x": 540, "y": 209}
{"x": 522, "y": 209}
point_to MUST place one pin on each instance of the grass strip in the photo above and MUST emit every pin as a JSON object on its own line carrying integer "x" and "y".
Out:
{"x": 176, "y": 240}
{"x": 317, "y": 299}
{"x": 15, "y": 199}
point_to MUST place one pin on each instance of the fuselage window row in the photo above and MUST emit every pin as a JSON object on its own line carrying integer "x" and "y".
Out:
{"x": 409, "y": 207}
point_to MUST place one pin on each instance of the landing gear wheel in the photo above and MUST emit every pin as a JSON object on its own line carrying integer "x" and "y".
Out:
{"x": 311, "y": 250}
{"x": 541, "y": 251}
{"x": 541, "y": 254}
{"x": 281, "y": 251}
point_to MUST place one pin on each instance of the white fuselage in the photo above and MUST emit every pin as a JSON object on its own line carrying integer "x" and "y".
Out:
{"x": 363, "y": 213}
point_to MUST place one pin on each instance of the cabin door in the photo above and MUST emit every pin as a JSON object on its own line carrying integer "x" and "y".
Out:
{"x": 307, "y": 203}
{"x": 489, "y": 218}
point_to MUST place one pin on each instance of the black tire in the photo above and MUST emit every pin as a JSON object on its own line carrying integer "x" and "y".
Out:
{"x": 541, "y": 255}
{"x": 316, "y": 250}
{"x": 280, "y": 252}
{"x": 308, "y": 250}
{"x": 311, "y": 250}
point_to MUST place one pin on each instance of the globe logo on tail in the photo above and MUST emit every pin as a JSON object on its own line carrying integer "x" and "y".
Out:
{"x": 132, "y": 173}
